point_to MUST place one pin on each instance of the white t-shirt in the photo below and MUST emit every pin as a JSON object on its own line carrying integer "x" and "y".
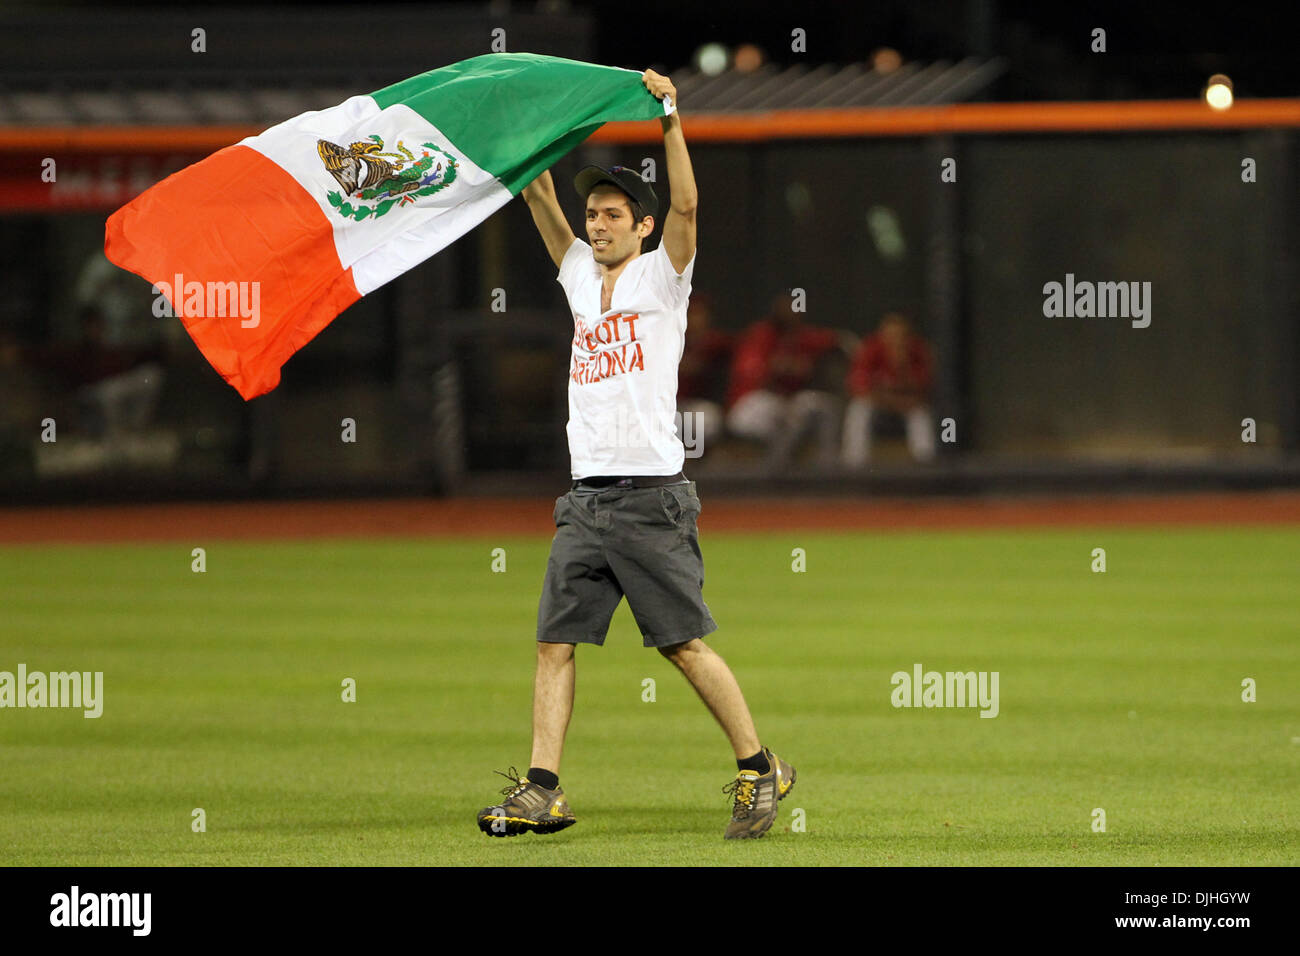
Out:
{"x": 623, "y": 368}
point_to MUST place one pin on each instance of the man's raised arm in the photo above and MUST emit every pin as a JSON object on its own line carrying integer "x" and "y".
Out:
{"x": 679, "y": 224}
{"x": 555, "y": 230}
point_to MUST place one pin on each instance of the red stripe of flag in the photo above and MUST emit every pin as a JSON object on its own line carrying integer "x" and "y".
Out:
{"x": 238, "y": 217}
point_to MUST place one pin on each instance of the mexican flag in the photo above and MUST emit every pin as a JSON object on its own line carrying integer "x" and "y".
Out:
{"x": 258, "y": 247}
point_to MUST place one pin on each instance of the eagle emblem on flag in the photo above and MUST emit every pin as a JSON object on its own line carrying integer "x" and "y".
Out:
{"x": 377, "y": 180}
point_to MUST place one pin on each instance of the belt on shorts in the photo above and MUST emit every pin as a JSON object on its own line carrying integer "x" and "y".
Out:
{"x": 629, "y": 481}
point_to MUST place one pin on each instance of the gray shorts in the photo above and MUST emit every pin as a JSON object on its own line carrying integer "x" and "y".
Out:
{"x": 641, "y": 542}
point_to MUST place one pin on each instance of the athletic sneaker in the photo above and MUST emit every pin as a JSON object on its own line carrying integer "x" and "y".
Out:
{"x": 756, "y": 795}
{"x": 527, "y": 808}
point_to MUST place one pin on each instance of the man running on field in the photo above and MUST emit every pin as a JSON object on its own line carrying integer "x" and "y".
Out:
{"x": 628, "y": 524}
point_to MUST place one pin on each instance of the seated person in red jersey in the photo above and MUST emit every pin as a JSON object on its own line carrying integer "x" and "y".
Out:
{"x": 772, "y": 398}
{"x": 891, "y": 372}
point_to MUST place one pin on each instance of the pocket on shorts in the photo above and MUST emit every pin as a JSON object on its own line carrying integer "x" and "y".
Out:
{"x": 559, "y": 505}
{"x": 679, "y": 502}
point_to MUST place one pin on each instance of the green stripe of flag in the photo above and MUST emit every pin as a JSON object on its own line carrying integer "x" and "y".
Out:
{"x": 515, "y": 114}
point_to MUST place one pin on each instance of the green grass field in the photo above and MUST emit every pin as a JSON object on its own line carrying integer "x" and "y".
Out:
{"x": 1119, "y": 691}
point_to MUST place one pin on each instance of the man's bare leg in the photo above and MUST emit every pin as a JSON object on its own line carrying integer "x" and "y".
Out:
{"x": 717, "y": 687}
{"x": 552, "y": 703}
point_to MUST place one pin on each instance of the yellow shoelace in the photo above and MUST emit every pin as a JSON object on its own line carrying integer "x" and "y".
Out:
{"x": 516, "y": 785}
{"x": 743, "y": 788}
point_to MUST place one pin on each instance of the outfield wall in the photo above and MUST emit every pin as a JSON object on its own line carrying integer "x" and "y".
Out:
{"x": 443, "y": 387}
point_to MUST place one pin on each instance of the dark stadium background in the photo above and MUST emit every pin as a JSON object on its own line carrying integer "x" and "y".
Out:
{"x": 451, "y": 397}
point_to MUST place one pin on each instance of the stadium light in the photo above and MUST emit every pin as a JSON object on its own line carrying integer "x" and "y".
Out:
{"x": 886, "y": 60}
{"x": 711, "y": 59}
{"x": 1218, "y": 92}
{"x": 748, "y": 58}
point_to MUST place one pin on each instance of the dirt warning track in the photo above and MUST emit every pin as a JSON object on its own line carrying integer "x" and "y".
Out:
{"x": 466, "y": 517}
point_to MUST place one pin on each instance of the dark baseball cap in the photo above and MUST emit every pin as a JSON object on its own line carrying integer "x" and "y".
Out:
{"x": 628, "y": 180}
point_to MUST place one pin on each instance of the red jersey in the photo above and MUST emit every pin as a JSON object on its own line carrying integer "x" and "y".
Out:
{"x": 704, "y": 361}
{"x": 799, "y": 348}
{"x": 874, "y": 368}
